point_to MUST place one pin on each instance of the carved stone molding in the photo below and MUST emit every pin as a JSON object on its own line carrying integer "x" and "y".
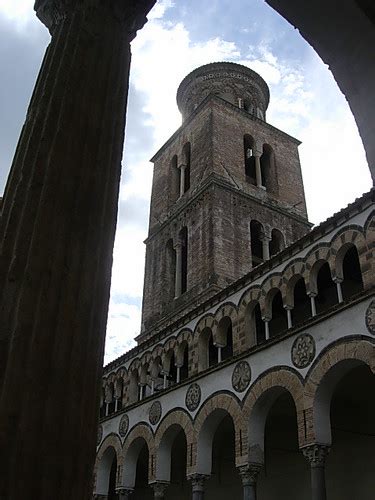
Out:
{"x": 197, "y": 481}
{"x": 241, "y": 376}
{"x": 124, "y": 493}
{"x": 155, "y": 413}
{"x": 303, "y": 350}
{"x": 99, "y": 435}
{"x": 193, "y": 397}
{"x": 132, "y": 14}
{"x": 370, "y": 318}
{"x": 316, "y": 454}
{"x": 123, "y": 425}
{"x": 159, "y": 488}
{"x": 249, "y": 473}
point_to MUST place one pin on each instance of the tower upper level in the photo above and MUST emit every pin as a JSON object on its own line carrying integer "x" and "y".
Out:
{"x": 232, "y": 82}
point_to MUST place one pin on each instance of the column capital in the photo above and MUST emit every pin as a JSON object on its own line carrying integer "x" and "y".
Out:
{"x": 336, "y": 279}
{"x": 316, "y": 454}
{"x": 266, "y": 319}
{"x": 249, "y": 473}
{"x": 159, "y": 488}
{"x": 197, "y": 481}
{"x": 124, "y": 492}
{"x": 311, "y": 294}
{"x": 182, "y": 166}
{"x": 132, "y": 14}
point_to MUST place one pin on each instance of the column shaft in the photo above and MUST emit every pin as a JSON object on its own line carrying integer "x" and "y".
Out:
{"x": 258, "y": 171}
{"x": 316, "y": 455}
{"x": 56, "y": 239}
{"x": 178, "y": 277}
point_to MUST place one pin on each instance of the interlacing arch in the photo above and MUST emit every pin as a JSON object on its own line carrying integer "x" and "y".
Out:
{"x": 139, "y": 436}
{"x": 247, "y": 332}
{"x": 110, "y": 448}
{"x": 165, "y": 435}
{"x": 323, "y": 378}
{"x": 293, "y": 271}
{"x": 207, "y": 421}
{"x": 259, "y": 400}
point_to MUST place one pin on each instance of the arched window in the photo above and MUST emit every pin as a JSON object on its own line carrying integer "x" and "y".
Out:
{"x": 175, "y": 179}
{"x": 327, "y": 290}
{"x": 266, "y": 165}
{"x": 110, "y": 398}
{"x": 184, "y": 355}
{"x": 119, "y": 388}
{"x": 207, "y": 350}
{"x": 352, "y": 274}
{"x": 277, "y": 242}
{"x": 186, "y": 158}
{"x": 225, "y": 336}
{"x": 302, "y": 307}
{"x": 170, "y": 274}
{"x": 250, "y": 172}
{"x": 260, "y": 330}
{"x": 248, "y": 106}
{"x": 256, "y": 232}
{"x": 172, "y": 374}
{"x": 279, "y": 321}
{"x": 184, "y": 258}
{"x": 133, "y": 386}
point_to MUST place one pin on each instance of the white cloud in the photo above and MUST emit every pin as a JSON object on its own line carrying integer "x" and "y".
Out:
{"x": 123, "y": 326}
{"x": 19, "y": 11}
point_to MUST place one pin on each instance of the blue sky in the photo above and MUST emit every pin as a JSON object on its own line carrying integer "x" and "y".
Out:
{"x": 305, "y": 102}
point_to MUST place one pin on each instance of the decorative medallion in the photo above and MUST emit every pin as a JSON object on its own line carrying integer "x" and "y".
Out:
{"x": 241, "y": 376}
{"x": 155, "y": 413}
{"x": 99, "y": 435}
{"x": 123, "y": 425}
{"x": 193, "y": 397}
{"x": 370, "y": 318}
{"x": 303, "y": 350}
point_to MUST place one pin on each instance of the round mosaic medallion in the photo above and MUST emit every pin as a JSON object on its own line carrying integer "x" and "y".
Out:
{"x": 155, "y": 413}
{"x": 370, "y": 318}
{"x": 193, "y": 397}
{"x": 123, "y": 425}
{"x": 303, "y": 350}
{"x": 99, "y": 435}
{"x": 241, "y": 376}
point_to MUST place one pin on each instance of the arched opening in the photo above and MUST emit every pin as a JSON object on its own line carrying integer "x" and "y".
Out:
{"x": 224, "y": 481}
{"x": 250, "y": 171}
{"x": 183, "y": 237}
{"x": 171, "y": 463}
{"x": 119, "y": 391}
{"x": 225, "y": 337}
{"x": 170, "y": 270}
{"x": 207, "y": 350}
{"x": 186, "y": 157}
{"x": 155, "y": 374}
{"x": 248, "y": 106}
{"x": 351, "y": 461}
{"x": 302, "y": 306}
{"x": 106, "y": 474}
{"x": 266, "y": 165}
{"x": 133, "y": 386}
{"x": 279, "y": 320}
{"x": 285, "y": 473}
{"x": 277, "y": 242}
{"x": 327, "y": 290}
{"x": 110, "y": 400}
{"x": 183, "y": 360}
{"x": 172, "y": 372}
{"x": 256, "y": 234}
{"x": 175, "y": 179}
{"x": 352, "y": 274}
{"x": 254, "y": 325}
{"x": 138, "y": 456}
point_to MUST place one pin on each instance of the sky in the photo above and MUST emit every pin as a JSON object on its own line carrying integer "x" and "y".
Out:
{"x": 180, "y": 36}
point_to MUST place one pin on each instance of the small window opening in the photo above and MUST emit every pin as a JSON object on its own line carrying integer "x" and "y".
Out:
{"x": 184, "y": 258}
{"x": 186, "y": 155}
{"x": 260, "y": 330}
{"x": 250, "y": 171}
{"x": 302, "y": 306}
{"x": 276, "y": 243}
{"x": 327, "y": 290}
{"x": 256, "y": 231}
{"x": 352, "y": 274}
{"x": 279, "y": 321}
{"x": 225, "y": 333}
{"x": 266, "y": 162}
{"x": 184, "y": 370}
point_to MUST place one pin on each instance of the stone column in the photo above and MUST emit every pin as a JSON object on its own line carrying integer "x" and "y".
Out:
{"x": 266, "y": 246}
{"x": 178, "y": 374}
{"x": 249, "y": 475}
{"x": 182, "y": 179}
{"x": 316, "y": 455}
{"x": 338, "y": 282}
{"x": 266, "y": 327}
{"x": 258, "y": 170}
{"x": 178, "y": 280}
{"x": 312, "y": 296}
{"x": 159, "y": 488}
{"x": 197, "y": 486}
{"x": 289, "y": 316}
{"x": 57, "y": 230}
{"x": 124, "y": 493}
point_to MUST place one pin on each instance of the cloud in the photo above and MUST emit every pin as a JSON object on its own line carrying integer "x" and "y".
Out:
{"x": 123, "y": 325}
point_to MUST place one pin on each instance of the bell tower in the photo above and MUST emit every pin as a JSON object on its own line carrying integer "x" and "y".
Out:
{"x": 227, "y": 193}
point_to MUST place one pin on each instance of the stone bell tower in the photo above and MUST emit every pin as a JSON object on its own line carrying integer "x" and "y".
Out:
{"x": 227, "y": 193}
